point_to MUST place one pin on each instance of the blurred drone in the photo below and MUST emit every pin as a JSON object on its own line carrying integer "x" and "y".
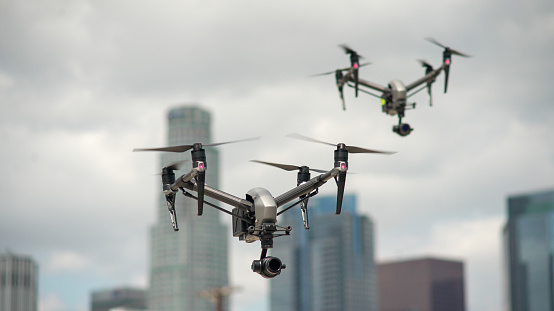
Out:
{"x": 255, "y": 217}
{"x": 394, "y": 96}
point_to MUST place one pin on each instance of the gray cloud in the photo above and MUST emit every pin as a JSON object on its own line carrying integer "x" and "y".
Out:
{"x": 83, "y": 83}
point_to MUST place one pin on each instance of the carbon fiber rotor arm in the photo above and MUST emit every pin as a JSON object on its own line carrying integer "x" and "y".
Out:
{"x": 217, "y": 194}
{"x": 425, "y": 79}
{"x": 349, "y": 77}
{"x": 372, "y": 85}
{"x": 306, "y": 187}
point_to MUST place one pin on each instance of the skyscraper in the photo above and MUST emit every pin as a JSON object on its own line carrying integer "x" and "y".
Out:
{"x": 18, "y": 283}
{"x": 331, "y": 265}
{"x": 193, "y": 259}
{"x": 529, "y": 252}
{"x": 426, "y": 284}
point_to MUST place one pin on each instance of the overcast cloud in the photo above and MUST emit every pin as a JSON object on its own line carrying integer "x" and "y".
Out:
{"x": 82, "y": 83}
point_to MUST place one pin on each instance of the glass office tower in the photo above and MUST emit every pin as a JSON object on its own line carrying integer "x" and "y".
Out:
{"x": 331, "y": 265}
{"x": 195, "y": 258}
{"x": 528, "y": 252}
{"x": 18, "y": 283}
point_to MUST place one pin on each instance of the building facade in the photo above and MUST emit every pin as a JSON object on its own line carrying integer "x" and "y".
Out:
{"x": 331, "y": 265}
{"x": 426, "y": 284}
{"x": 195, "y": 258}
{"x": 528, "y": 238}
{"x": 128, "y": 298}
{"x": 18, "y": 283}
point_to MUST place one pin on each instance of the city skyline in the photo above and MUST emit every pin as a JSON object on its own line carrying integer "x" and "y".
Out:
{"x": 83, "y": 83}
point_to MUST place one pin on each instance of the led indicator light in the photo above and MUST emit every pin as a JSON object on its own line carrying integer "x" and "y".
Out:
{"x": 448, "y": 62}
{"x": 356, "y": 66}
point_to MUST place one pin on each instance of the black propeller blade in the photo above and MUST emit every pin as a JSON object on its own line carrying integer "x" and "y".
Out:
{"x": 351, "y": 149}
{"x": 334, "y": 71}
{"x": 428, "y": 67}
{"x": 350, "y": 51}
{"x": 446, "y": 55}
{"x": 287, "y": 167}
{"x": 183, "y": 148}
{"x": 447, "y": 48}
{"x": 173, "y": 166}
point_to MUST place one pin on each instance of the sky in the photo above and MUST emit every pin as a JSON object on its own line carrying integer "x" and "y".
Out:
{"x": 82, "y": 83}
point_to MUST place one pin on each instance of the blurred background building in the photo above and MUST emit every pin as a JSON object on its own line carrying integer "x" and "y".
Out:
{"x": 426, "y": 284}
{"x": 18, "y": 283}
{"x": 195, "y": 258}
{"x": 529, "y": 252}
{"x": 121, "y": 298}
{"x": 331, "y": 265}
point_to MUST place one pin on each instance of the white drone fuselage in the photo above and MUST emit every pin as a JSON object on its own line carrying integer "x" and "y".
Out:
{"x": 265, "y": 207}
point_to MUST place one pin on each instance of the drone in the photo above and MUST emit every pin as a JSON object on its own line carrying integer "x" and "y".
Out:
{"x": 394, "y": 97}
{"x": 255, "y": 217}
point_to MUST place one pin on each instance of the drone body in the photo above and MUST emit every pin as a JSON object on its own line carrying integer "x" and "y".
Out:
{"x": 255, "y": 217}
{"x": 394, "y": 96}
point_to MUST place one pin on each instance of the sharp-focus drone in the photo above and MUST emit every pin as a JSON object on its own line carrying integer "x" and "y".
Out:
{"x": 395, "y": 95}
{"x": 255, "y": 217}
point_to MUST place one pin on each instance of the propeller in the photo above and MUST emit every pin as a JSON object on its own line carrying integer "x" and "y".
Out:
{"x": 183, "y": 148}
{"x": 349, "y": 50}
{"x": 447, "y": 48}
{"x": 354, "y": 62}
{"x": 341, "y": 162}
{"x": 428, "y": 70}
{"x": 350, "y": 149}
{"x": 173, "y": 166}
{"x": 338, "y": 78}
{"x": 446, "y": 56}
{"x": 428, "y": 67}
{"x": 335, "y": 71}
{"x": 287, "y": 167}
{"x": 199, "y": 163}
